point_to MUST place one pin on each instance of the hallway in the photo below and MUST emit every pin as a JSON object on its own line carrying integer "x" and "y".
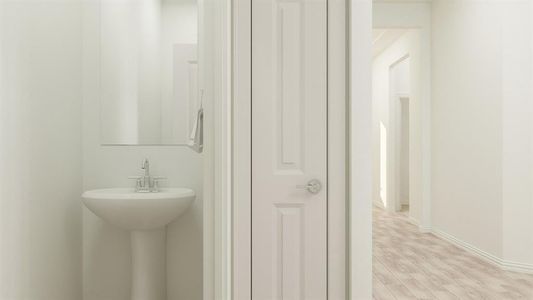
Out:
{"x": 413, "y": 265}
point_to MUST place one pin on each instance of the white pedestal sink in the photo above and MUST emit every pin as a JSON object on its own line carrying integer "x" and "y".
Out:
{"x": 145, "y": 215}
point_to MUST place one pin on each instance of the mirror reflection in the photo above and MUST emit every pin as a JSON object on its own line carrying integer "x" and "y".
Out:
{"x": 149, "y": 71}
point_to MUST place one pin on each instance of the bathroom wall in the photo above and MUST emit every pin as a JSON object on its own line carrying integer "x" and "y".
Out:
{"x": 40, "y": 150}
{"x": 106, "y": 249}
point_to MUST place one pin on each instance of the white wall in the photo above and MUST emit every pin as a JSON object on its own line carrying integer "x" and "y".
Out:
{"x": 40, "y": 150}
{"x": 106, "y": 257}
{"x": 467, "y": 122}
{"x": 517, "y": 188}
{"x": 482, "y": 128}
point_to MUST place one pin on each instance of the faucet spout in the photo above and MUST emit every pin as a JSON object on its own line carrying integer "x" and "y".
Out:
{"x": 146, "y": 167}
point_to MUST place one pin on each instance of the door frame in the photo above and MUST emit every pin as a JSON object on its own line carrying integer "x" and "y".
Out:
{"x": 217, "y": 192}
{"x": 337, "y": 150}
{"x": 394, "y": 151}
{"x": 393, "y": 143}
{"x": 400, "y": 139}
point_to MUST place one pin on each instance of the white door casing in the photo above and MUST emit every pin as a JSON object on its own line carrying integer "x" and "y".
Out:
{"x": 399, "y": 87}
{"x": 289, "y": 148}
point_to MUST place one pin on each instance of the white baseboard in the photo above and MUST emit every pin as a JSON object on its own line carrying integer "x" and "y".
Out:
{"x": 425, "y": 229}
{"x": 501, "y": 263}
{"x": 517, "y": 267}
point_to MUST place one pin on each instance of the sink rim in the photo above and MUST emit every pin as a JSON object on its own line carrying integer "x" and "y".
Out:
{"x": 129, "y": 193}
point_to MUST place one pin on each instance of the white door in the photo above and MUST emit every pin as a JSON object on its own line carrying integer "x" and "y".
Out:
{"x": 289, "y": 149}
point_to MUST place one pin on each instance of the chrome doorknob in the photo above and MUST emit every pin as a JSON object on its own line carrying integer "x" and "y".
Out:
{"x": 314, "y": 186}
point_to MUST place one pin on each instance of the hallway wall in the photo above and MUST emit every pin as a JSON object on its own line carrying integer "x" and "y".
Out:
{"x": 481, "y": 127}
{"x": 467, "y": 123}
{"x": 517, "y": 186}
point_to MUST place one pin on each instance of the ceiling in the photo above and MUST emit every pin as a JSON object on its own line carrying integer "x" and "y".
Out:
{"x": 399, "y": 1}
{"x": 383, "y": 38}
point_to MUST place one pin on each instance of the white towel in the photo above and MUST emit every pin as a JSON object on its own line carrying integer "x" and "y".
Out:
{"x": 196, "y": 139}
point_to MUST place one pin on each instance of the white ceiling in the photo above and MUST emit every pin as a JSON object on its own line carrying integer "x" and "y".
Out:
{"x": 383, "y": 38}
{"x": 399, "y": 1}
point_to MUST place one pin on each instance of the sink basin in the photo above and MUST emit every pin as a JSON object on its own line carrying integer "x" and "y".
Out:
{"x": 130, "y": 210}
{"x": 145, "y": 215}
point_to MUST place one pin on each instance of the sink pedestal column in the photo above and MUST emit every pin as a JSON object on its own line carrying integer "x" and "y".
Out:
{"x": 148, "y": 252}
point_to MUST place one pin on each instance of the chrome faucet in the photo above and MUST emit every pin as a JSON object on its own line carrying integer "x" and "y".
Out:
{"x": 146, "y": 183}
{"x": 146, "y": 178}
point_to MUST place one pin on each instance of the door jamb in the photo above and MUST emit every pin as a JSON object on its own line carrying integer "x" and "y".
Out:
{"x": 217, "y": 209}
{"x": 395, "y": 118}
{"x": 393, "y": 150}
{"x": 242, "y": 144}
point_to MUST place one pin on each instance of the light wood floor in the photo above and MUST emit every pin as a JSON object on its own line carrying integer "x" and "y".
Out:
{"x": 413, "y": 265}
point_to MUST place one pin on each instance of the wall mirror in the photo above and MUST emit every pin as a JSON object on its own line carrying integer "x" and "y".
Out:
{"x": 149, "y": 90}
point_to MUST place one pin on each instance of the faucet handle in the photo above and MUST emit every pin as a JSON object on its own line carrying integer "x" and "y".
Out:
{"x": 138, "y": 182}
{"x": 156, "y": 179}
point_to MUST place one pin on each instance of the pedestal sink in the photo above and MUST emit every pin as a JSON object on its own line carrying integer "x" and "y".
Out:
{"x": 146, "y": 216}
